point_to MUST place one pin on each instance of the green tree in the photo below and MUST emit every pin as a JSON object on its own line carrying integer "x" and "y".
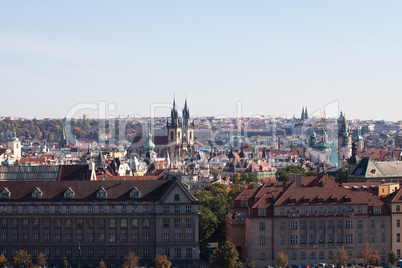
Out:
{"x": 341, "y": 257}
{"x": 392, "y": 258}
{"x": 41, "y": 259}
{"x": 207, "y": 223}
{"x": 162, "y": 262}
{"x": 102, "y": 264}
{"x": 130, "y": 260}
{"x": 342, "y": 176}
{"x": 226, "y": 257}
{"x": 65, "y": 263}
{"x": 236, "y": 178}
{"x": 22, "y": 258}
{"x": 283, "y": 173}
{"x": 3, "y": 261}
{"x": 281, "y": 259}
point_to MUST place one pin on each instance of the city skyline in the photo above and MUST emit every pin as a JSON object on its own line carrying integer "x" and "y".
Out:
{"x": 273, "y": 57}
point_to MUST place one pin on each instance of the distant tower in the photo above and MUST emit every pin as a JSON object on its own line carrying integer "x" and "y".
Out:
{"x": 344, "y": 139}
{"x": 149, "y": 147}
{"x": 313, "y": 139}
{"x": 15, "y": 145}
{"x": 359, "y": 139}
{"x": 302, "y": 114}
{"x": 305, "y": 113}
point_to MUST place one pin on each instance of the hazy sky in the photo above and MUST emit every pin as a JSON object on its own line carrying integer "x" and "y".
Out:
{"x": 273, "y": 56}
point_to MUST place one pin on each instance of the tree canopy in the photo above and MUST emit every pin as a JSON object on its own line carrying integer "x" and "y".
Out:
{"x": 162, "y": 262}
{"x": 340, "y": 257}
{"x": 130, "y": 260}
{"x": 22, "y": 258}
{"x": 281, "y": 259}
{"x": 283, "y": 173}
{"x": 226, "y": 257}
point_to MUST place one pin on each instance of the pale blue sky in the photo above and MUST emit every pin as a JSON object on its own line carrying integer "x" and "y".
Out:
{"x": 273, "y": 56}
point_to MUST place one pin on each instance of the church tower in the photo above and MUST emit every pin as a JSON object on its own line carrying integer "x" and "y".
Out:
{"x": 359, "y": 139}
{"x": 15, "y": 146}
{"x": 174, "y": 127}
{"x": 344, "y": 139}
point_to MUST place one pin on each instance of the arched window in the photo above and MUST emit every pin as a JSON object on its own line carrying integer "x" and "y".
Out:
{"x": 171, "y": 135}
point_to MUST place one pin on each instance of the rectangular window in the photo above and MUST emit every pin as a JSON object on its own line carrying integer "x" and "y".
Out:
{"x": 79, "y": 237}
{"x": 189, "y": 209}
{"x": 123, "y": 223}
{"x": 373, "y": 223}
{"x": 146, "y": 208}
{"x": 166, "y": 223}
{"x": 261, "y": 212}
{"x": 146, "y": 252}
{"x": 68, "y": 223}
{"x": 282, "y": 240}
{"x": 377, "y": 210}
{"x": 372, "y": 237}
{"x": 189, "y": 223}
{"x": 112, "y": 238}
{"x": 339, "y": 240}
{"x": 177, "y": 223}
{"x": 90, "y": 237}
{"x": 14, "y": 223}
{"x": 359, "y": 209}
{"x": 165, "y": 209}
{"x": 262, "y": 240}
{"x": 359, "y": 223}
{"x": 101, "y": 237}
{"x": 112, "y": 209}
{"x": 47, "y": 237}
{"x": 282, "y": 225}
{"x": 90, "y": 223}
{"x": 177, "y": 252}
{"x": 57, "y": 252}
{"x": 349, "y": 224}
{"x": 330, "y": 238}
{"x": 123, "y": 209}
{"x": 349, "y": 238}
{"x": 134, "y": 223}
{"x": 382, "y": 222}
{"x": 302, "y": 225}
{"x": 293, "y": 225}
{"x": 398, "y": 237}
{"x": 339, "y": 224}
{"x": 312, "y": 224}
{"x": 312, "y": 239}
{"x": 189, "y": 252}
{"x": 293, "y": 239}
{"x": 383, "y": 237}
{"x": 359, "y": 238}
{"x": 321, "y": 224}
{"x": 262, "y": 225}
{"x": 25, "y": 223}
{"x": 69, "y": 237}
{"x": 281, "y": 211}
{"x": 243, "y": 203}
{"x": 36, "y": 237}
{"x": 320, "y": 238}
{"x": 146, "y": 223}
{"x": 189, "y": 237}
{"x": 166, "y": 238}
{"x": 177, "y": 237}
{"x": 302, "y": 211}
{"x": 101, "y": 223}
{"x": 302, "y": 239}
{"x": 398, "y": 208}
{"x": 330, "y": 211}
{"x": 90, "y": 252}
{"x": 123, "y": 237}
{"x": 134, "y": 237}
{"x": 339, "y": 210}
{"x": 101, "y": 209}
{"x": 79, "y": 223}
{"x": 15, "y": 238}
{"x": 57, "y": 237}
{"x": 146, "y": 237}
{"x": 46, "y": 223}
{"x": 177, "y": 209}
{"x": 36, "y": 223}
{"x": 25, "y": 237}
{"x": 330, "y": 224}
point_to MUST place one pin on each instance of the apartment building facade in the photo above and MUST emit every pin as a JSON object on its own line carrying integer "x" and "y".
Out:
{"x": 308, "y": 219}
{"x": 86, "y": 221}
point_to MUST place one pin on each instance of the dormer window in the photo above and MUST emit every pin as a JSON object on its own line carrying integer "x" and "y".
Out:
{"x": 348, "y": 199}
{"x": 292, "y": 200}
{"x": 69, "y": 193}
{"x": 306, "y": 200}
{"x": 135, "y": 193}
{"x": 320, "y": 200}
{"x": 37, "y": 193}
{"x": 5, "y": 193}
{"x": 101, "y": 193}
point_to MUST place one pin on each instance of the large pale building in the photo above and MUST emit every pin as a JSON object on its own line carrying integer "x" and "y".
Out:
{"x": 308, "y": 219}
{"x": 86, "y": 221}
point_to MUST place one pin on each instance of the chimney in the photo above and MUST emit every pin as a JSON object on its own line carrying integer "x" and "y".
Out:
{"x": 298, "y": 180}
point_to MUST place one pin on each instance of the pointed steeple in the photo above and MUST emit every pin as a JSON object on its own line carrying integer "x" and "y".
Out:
{"x": 305, "y": 114}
